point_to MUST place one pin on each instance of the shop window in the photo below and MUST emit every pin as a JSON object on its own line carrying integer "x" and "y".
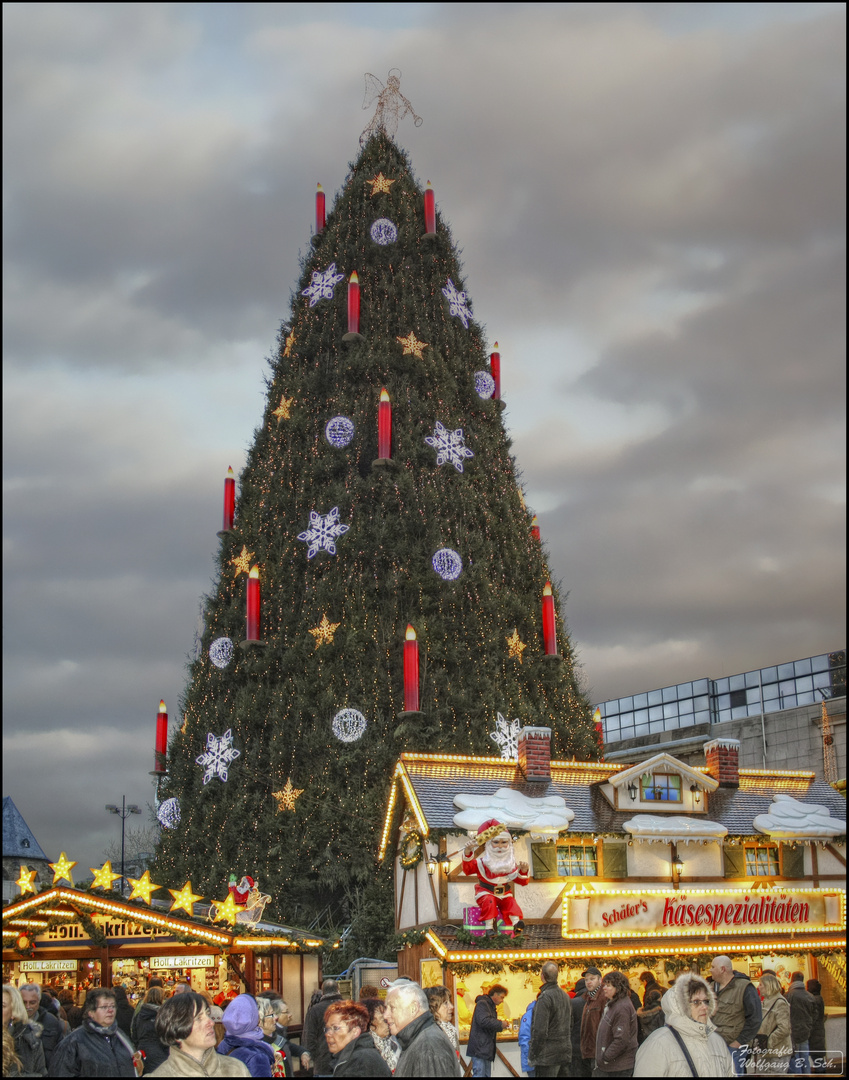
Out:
{"x": 762, "y": 860}
{"x": 577, "y": 860}
{"x": 263, "y": 973}
{"x": 660, "y": 787}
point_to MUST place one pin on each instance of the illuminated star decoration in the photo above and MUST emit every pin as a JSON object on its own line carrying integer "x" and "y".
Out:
{"x": 184, "y": 898}
{"x": 323, "y": 633}
{"x": 380, "y": 184}
{"x": 412, "y": 345}
{"x": 103, "y": 877}
{"x": 282, "y": 410}
{"x": 142, "y": 887}
{"x": 243, "y": 562}
{"x": 515, "y": 647}
{"x": 25, "y": 881}
{"x": 226, "y": 910}
{"x": 506, "y": 736}
{"x": 62, "y": 869}
{"x": 286, "y": 797}
{"x": 290, "y": 341}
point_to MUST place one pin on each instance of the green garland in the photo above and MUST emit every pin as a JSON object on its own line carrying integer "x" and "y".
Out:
{"x": 408, "y": 938}
{"x": 411, "y": 849}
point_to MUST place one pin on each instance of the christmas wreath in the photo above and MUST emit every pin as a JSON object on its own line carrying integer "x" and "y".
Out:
{"x": 412, "y": 849}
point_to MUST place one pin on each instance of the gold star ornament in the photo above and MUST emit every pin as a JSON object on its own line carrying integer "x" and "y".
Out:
{"x": 62, "y": 869}
{"x": 515, "y": 647}
{"x": 412, "y": 345}
{"x": 282, "y": 410}
{"x": 103, "y": 877}
{"x": 243, "y": 562}
{"x": 226, "y": 910}
{"x": 142, "y": 887}
{"x": 184, "y": 898}
{"x": 380, "y": 185}
{"x": 290, "y": 341}
{"x": 323, "y": 633}
{"x": 286, "y": 798}
{"x": 25, "y": 881}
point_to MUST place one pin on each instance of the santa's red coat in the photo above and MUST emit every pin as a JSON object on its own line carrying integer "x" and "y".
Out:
{"x": 491, "y": 905}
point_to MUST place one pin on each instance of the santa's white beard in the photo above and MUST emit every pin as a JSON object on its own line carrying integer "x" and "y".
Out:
{"x": 499, "y": 867}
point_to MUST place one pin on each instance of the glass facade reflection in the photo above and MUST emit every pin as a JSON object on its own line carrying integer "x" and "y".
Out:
{"x": 711, "y": 701}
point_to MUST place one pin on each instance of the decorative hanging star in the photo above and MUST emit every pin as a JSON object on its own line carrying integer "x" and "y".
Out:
{"x": 62, "y": 869}
{"x": 380, "y": 184}
{"x": 522, "y": 498}
{"x": 25, "y": 881}
{"x": 103, "y": 877}
{"x": 282, "y": 410}
{"x": 290, "y": 341}
{"x": 226, "y": 910}
{"x": 323, "y": 633}
{"x": 286, "y": 797}
{"x": 243, "y": 562}
{"x": 412, "y": 345}
{"x": 184, "y": 898}
{"x": 142, "y": 887}
{"x": 515, "y": 647}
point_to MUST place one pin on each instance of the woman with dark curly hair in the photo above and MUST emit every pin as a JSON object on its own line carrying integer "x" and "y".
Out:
{"x": 383, "y": 1039}
{"x": 442, "y": 1010}
{"x": 616, "y": 1041}
{"x": 348, "y": 1040}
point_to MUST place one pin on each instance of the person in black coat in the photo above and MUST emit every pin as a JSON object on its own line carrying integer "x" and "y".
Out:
{"x": 143, "y": 1030}
{"x": 123, "y": 1009}
{"x": 578, "y": 1068}
{"x": 348, "y": 1040}
{"x": 98, "y": 1047}
{"x": 550, "y": 1049}
{"x": 51, "y": 1028}
{"x": 816, "y": 1040}
{"x": 485, "y": 1026}
{"x": 313, "y": 1033}
{"x": 24, "y": 1036}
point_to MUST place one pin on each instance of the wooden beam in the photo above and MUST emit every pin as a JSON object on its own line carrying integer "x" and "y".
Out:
{"x": 558, "y": 899}
{"x": 814, "y": 865}
{"x": 401, "y": 901}
{"x": 833, "y": 851}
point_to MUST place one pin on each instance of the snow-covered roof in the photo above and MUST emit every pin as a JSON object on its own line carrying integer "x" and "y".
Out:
{"x": 660, "y": 762}
{"x": 787, "y": 818}
{"x": 673, "y": 828}
{"x": 545, "y": 815}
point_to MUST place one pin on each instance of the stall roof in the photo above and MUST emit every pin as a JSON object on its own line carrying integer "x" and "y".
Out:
{"x": 18, "y": 839}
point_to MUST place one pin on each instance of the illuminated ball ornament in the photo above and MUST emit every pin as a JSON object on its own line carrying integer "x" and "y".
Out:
{"x": 448, "y": 564}
{"x": 168, "y": 814}
{"x": 221, "y": 652}
{"x": 339, "y": 431}
{"x": 348, "y": 725}
{"x": 384, "y": 232}
{"x": 484, "y": 384}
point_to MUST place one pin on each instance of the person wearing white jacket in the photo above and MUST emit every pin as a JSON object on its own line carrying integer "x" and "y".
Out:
{"x": 688, "y": 1006}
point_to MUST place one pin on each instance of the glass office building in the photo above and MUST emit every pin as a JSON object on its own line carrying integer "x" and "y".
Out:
{"x": 711, "y": 701}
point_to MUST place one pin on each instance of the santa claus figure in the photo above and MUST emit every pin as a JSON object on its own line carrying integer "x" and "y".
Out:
{"x": 242, "y": 891}
{"x": 497, "y": 872}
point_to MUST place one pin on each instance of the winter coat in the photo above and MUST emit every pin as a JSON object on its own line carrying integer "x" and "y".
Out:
{"x": 255, "y": 1053}
{"x": 616, "y": 1041}
{"x": 123, "y": 1010}
{"x": 652, "y": 984}
{"x": 425, "y": 1050}
{"x": 650, "y": 1016}
{"x": 51, "y": 1032}
{"x": 291, "y": 1051}
{"x": 144, "y": 1037}
{"x": 816, "y": 1040}
{"x": 660, "y": 1054}
{"x": 313, "y": 1034}
{"x": 360, "y": 1058}
{"x": 776, "y": 1026}
{"x": 578, "y": 1003}
{"x": 180, "y": 1064}
{"x": 485, "y": 1026}
{"x": 28, "y": 1048}
{"x": 738, "y": 1010}
{"x": 525, "y": 1034}
{"x": 591, "y": 1018}
{"x": 801, "y": 1012}
{"x": 92, "y": 1050}
{"x": 551, "y": 1030}
{"x": 388, "y": 1049}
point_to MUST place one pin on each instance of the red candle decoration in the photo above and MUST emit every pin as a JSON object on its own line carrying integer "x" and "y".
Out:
{"x": 430, "y": 211}
{"x": 253, "y": 604}
{"x": 354, "y": 304}
{"x": 549, "y": 631}
{"x": 384, "y": 426}
{"x": 411, "y": 671}
{"x": 161, "y": 746}
{"x": 320, "y": 216}
{"x": 495, "y": 371}
{"x": 229, "y": 499}
{"x": 535, "y": 528}
{"x": 599, "y": 731}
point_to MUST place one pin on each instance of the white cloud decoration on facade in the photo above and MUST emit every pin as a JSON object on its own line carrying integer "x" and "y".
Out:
{"x": 545, "y": 816}
{"x": 789, "y": 818}
{"x": 673, "y": 828}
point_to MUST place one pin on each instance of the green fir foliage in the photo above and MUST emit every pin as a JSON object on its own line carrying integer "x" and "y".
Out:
{"x": 279, "y": 700}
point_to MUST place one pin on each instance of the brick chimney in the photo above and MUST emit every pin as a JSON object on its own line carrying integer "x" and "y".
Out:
{"x": 535, "y": 754}
{"x": 723, "y": 757}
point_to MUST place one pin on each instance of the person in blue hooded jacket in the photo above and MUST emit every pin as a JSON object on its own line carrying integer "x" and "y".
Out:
{"x": 525, "y": 1037}
{"x": 244, "y": 1040}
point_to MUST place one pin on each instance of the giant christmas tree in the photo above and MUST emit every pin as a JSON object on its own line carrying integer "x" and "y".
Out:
{"x": 344, "y": 537}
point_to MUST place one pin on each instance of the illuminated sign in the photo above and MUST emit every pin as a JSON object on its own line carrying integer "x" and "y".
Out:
{"x": 48, "y": 965}
{"x": 185, "y": 961}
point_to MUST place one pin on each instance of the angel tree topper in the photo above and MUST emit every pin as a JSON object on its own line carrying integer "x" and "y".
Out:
{"x": 497, "y": 872}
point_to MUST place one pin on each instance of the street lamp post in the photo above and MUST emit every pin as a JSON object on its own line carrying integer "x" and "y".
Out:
{"x": 123, "y": 813}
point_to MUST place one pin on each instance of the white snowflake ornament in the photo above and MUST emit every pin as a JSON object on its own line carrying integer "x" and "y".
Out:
{"x": 449, "y": 446}
{"x": 323, "y": 531}
{"x": 219, "y": 753}
{"x": 322, "y": 285}
{"x": 506, "y": 736}
{"x": 457, "y": 304}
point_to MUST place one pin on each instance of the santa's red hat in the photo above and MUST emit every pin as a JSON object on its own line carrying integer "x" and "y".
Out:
{"x": 489, "y": 830}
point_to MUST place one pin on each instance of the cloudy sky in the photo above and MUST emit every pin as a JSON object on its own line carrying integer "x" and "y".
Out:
{"x": 650, "y": 202}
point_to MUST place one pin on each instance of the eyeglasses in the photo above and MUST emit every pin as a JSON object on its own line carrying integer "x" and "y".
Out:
{"x": 336, "y": 1027}
{"x": 699, "y": 1001}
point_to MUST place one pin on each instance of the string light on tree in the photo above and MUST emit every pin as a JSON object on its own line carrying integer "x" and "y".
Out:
{"x": 62, "y": 869}
{"x": 218, "y": 755}
{"x": 449, "y": 445}
{"x": 142, "y": 887}
{"x": 242, "y": 562}
{"x": 348, "y": 725}
{"x": 457, "y": 304}
{"x": 287, "y": 797}
{"x": 221, "y": 652}
{"x": 168, "y": 814}
{"x": 184, "y": 898}
{"x": 412, "y": 345}
{"x": 506, "y": 736}
{"x": 447, "y": 563}
{"x": 323, "y": 633}
{"x": 323, "y": 284}
{"x": 323, "y": 532}
{"x": 339, "y": 431}
{"x": 515, "y": 646}
{"x": 383, "y": 232}
{"x": 103, "y": 877}
{"x": 26, "y": 881}
{"x": 484, "y": 385}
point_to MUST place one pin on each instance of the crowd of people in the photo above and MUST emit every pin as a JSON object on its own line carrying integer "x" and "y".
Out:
{"x": 722, "y": 1025}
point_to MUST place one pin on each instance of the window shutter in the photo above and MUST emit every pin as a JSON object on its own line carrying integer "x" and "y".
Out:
{"x": 735, "y": 861}
{"x": 614, "y": 860}
{"x": 792, "y": 861}
{"x": 544, "y": 859}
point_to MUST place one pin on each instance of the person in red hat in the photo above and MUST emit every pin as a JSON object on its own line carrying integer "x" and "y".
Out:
{"x": 497, "y": 872}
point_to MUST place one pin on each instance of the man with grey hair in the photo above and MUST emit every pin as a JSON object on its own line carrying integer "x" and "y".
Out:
{"x": 550, "y": 1048}
{"x": 738, "y": 1009}
{"x": 51, "y": 1027}
{"x": 425, "y": 1049}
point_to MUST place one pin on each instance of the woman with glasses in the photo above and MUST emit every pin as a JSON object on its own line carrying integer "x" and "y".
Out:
{"x": 348, "y": 1040}
{"x": 97, "y": 1047}
{"x": 689, "y": 1044}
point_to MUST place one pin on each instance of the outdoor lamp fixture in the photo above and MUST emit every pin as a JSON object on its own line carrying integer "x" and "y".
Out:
{"x": 678, "y": 865}
{"x": 431, "y": 866}
{"x": 632, "y": 790}
{"x": 697, "y": 795}
{"x": 445, "y": 863}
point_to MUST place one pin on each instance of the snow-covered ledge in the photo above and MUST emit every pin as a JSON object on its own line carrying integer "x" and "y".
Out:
{"x": 673, "y": 829}
{"x": 543, "y": 817}
{"x": 789, "y": 819}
